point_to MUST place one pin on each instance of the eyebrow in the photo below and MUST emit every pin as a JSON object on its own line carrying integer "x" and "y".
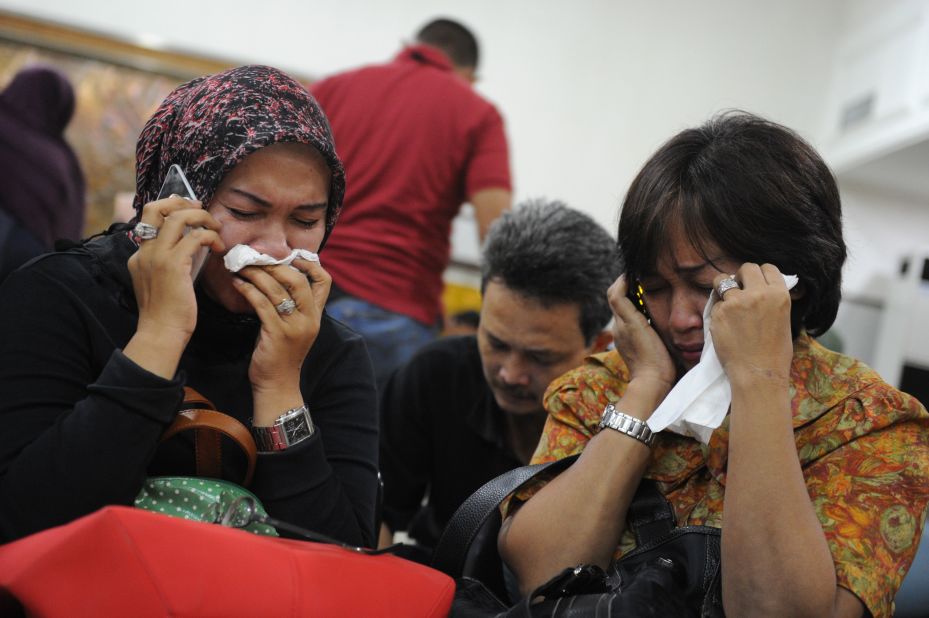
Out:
{"x": 693, "y": 269}
{"x": 266, "y": 204}
{"x": 534, "y": 351}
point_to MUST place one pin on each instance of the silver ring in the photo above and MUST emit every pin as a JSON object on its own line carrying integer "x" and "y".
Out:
{"x": 286, "y": 306}
{"x": 726, "y": 284}
{"x": 144, "y": 231}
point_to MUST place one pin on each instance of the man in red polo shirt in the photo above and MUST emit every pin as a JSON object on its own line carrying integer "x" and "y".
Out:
{"x": 417, "y": 141}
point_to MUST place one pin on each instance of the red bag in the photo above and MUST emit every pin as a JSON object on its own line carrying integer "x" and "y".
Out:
{"x": 128, "y": 562}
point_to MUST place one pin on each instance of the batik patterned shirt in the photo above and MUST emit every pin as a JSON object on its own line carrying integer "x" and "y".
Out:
{"x": 863, "y": 446}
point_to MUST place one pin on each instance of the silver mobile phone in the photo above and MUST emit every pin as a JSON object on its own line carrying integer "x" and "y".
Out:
{"x": 175, "y": 183}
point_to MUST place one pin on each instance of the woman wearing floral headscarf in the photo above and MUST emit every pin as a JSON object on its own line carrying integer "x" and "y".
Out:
{"x": 97, "y": 343}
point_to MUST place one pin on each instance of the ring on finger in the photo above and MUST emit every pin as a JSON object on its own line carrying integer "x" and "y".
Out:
{"x": 725, "y": 285}
{"x": 286, "y": 306}
{"x": 145, "y": 231}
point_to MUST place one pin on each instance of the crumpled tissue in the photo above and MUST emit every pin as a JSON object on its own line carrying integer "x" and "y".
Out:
{"x": 241, "y": 256}
{"x": 700, "y": 400}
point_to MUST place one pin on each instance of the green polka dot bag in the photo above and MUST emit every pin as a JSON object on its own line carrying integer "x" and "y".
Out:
{"x": 206, "y": 497}
{"x": 199, "y": 499}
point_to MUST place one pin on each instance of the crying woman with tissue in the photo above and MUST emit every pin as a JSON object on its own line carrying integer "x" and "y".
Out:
{"x": 98, "y": 342}
{"x": 815, "y": 470}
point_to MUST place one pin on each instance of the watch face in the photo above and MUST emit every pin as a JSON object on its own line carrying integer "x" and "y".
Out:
{"x": 300, "y": 432}
{"x": 298, "y": 428}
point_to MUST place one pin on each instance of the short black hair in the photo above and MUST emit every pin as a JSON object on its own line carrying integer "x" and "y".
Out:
{"x": 453, "y": 38}
{"x": 554, "y": 254}
{"x": 755, "y": 189}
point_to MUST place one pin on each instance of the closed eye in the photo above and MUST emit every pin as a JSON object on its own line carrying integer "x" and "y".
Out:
{"x": 497, "y": 345}
{"x": 244, "y": 215}
{"x": 543, "y": 360}
{"x": 306, "y": 223}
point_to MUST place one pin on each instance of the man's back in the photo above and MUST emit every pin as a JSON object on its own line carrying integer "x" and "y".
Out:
{"x": 417, "y": 141}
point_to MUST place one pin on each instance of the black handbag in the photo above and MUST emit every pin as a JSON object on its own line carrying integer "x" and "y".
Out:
{"x": 674, "y": 571}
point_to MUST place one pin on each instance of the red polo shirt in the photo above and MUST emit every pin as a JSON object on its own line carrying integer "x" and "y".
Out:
{"x": 416, "y": 141}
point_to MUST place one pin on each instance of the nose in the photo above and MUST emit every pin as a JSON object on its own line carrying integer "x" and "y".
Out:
{"x": 686, "y": 311}
{"x": 272, "y": 240}
{"x": 513, "y": 371}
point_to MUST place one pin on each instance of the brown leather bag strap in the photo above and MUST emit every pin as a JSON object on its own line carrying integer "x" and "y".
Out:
{"x": 209, "y": 424}
{"x": 193, "y": 399}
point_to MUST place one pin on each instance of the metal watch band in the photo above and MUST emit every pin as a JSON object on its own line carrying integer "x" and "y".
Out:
{"x": 291, "y": 427}
{"x": 629, "y": 425}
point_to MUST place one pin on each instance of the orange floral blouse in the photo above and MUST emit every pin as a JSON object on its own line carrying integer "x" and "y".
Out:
{"x": 863, "y": 446}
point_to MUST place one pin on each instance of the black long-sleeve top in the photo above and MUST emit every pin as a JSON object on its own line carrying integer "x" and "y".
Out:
{"x": 442, "y": 434}
{"x": 81, "y": 422}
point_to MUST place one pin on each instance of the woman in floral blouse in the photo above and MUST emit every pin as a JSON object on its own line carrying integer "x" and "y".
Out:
{"x": 820, "y": 471}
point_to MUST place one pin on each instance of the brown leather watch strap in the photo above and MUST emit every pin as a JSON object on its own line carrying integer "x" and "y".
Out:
{"x": 209, "y": 424}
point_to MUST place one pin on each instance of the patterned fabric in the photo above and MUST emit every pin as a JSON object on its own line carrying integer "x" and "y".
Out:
{"x": 863, "y": 445}
{"x": 211, "y": 123}
{"x": 201, "y": 499}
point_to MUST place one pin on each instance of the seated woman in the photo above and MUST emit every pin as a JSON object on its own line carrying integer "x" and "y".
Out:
{"x": 97, "y": 343}
{"x": 819, "y": 475}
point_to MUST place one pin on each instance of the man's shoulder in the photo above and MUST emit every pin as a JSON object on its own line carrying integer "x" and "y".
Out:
{"x": 449, "y": 367}
{"x": 421, "y": 79}
{"x": 444, "y": 380}
{"x": 448, "y": 353}
{"x": 348, "y": 75}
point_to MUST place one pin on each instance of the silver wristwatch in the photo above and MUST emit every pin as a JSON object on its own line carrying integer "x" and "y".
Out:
{"x": 291, "y": 427}
{"x": 629, "y": 425}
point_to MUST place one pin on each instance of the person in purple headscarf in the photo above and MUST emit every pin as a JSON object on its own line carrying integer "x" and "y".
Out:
{"x": 42, "y": 187}
{"x": 97, "y": 342}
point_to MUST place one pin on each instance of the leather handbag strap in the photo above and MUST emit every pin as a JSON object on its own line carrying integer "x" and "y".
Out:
{"x": 193, "y": 399}
{"x": 209, "y": 424}
{"x": 650, "y": 514}
{"x": 451, "y": 552}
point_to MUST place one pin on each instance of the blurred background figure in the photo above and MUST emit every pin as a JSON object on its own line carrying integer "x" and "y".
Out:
{"x": 41, "y": 183}
{"x": 417, "y": 142}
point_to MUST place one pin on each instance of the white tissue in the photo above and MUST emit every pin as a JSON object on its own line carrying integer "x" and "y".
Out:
{"x": 241, "y": 256}
{"x": 700, "y": 400}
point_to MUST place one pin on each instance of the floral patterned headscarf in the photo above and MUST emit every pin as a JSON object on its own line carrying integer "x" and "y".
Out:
{"x": 211, "y": 123}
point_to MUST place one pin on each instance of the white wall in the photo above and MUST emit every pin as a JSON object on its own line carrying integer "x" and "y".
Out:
{"x": 881, "y": 229}
{"x": 589, "y": 88}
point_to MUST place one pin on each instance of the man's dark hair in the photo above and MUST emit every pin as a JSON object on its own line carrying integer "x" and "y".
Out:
{"x": 554, "y": 255}
{"x": 757, "y": 191}
{"x": 454, "y": 39}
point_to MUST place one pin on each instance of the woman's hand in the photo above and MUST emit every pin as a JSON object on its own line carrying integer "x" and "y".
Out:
{"x": 285, "y": 339}
{"x": 161, "y": 280}
{"x": 639, "y": 344}
{"x": 751, "y": 326}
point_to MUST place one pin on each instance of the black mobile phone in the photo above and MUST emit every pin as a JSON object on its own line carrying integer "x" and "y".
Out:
{"x": 637, "y": 295}
{"x": 176, "y": 183}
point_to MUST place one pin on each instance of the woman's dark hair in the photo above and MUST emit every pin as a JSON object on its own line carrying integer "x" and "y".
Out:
{"x": 757, "y": 191}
